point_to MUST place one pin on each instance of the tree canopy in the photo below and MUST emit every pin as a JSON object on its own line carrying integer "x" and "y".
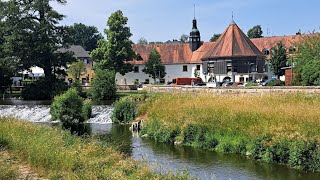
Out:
{"x": 255, "y": 32}
{"x": 278, "y": 59}
{"x": 85, "y": 36}
{"x": 115, "y": 52}
{"x": 307, "y": 61}
{"x": 142, "y": 41}
{"x": 215, "y": 37}
{"x": 76, "y": 68}
{"x": 184, "y": 38}
{"x": 33, "y": 36}
{"x": 154, "y": 66}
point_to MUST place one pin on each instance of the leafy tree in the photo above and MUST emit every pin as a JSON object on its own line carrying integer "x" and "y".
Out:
{"x": 156, "y": 42}
{"x": 278, "y": 59}
{"x": 76, "y": 68}
{"x": 142, "y": 41}
{"x": 115, "y": 52}
{"x": 307, "y": 66}
{"x": 215, "y": 37}
{"x": 154, "y": 67}
{"x": 33, "y": 36}
{"x": 85, "y": 36}
{"x": 104, "y": 85}
{"x": 255, "y": 32}
{"x": 7, "y": 70}
{"x": 184, "y": 38}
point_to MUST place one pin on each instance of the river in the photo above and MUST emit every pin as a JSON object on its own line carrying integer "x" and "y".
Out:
{"x": 163, "y": 157}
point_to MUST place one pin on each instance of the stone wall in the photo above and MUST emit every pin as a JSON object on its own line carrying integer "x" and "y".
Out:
{"x": 233, "y": 90}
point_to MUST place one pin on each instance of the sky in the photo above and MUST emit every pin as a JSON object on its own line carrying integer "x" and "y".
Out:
{"x": 162, "y": 20}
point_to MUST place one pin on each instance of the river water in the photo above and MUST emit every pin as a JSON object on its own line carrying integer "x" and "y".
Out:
{"x": 163, "y": 157}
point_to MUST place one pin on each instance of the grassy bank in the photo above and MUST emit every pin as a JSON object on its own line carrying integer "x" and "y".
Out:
{"x": 58, "y": 155}
{"x": 273, "y": 128}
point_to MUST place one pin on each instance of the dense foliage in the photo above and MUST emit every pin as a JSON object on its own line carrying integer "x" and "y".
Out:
{"x": 287, "y": 134}
{"x": 124, "y": 110}
{"x": 154, "y": 66}
{"x": 69, "y": 108}
{"x": 33, "y": 36}
{"x": 307, "y": 65}
{"x": 39, "y": 90}
{"x": 278, "y": 59}
{"x": 115, "y": 52}
{"x": 255, "y": 32}
{"x": 215, "y": 37}
{"x": 104, "y": 85}
{"x": 276, "y": 82}
{"x": 85, "y": 36}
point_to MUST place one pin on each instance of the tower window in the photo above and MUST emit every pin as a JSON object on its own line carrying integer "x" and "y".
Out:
{"x": 185, "y": 68}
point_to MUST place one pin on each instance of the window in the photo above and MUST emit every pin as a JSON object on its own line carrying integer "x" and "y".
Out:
{"x": 147, "y": 81}
{"x": 292, "y": 50}
{"x": 241, "y": 79}
{"x": 198, "y": 67}
{"x": 136, "y": 69}
{"x": 266, "y": 51}
{"x": 84, "y": 70}
{"x": 185, "y": 68}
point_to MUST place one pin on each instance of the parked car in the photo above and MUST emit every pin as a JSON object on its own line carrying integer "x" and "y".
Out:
{"x": 266, "y": 82}
{"x": 227, "y": 84}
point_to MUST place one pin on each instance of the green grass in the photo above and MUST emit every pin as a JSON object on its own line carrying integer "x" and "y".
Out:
{"x": 8, "y": 171}
{"x": 57, "y": 154}
{"x": 280, "y": 128}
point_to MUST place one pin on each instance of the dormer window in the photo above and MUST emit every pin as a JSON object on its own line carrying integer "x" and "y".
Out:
{"x": 266, "y": 52}
{"x": 139, "y": 58}
{"x": 292, "y": 50}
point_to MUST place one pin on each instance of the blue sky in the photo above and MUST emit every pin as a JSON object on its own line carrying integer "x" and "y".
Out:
{"x": 164, "y": 20}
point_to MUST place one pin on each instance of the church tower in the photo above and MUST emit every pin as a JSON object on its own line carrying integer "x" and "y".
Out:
{"x": 195, "y": 40}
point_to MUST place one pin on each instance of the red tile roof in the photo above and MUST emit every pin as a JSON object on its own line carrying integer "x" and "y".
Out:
{"x": 233, "y": 43}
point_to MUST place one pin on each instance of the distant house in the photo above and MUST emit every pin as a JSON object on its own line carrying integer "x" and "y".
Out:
{"x": 81, "y": 54}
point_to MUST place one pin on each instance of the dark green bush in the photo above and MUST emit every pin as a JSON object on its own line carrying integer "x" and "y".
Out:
{"x": 78, "y": 87}
{"x": 301, "y": 155}
{"x": 104, "y": 85}
{"x": 125, "y": 110}
{"x": 276, "y": 82}
{"x": 87, "y": 109}
{"x": 190, "y": 134}
{"x": 43, "y": 89}
{"x": 69, "y": 109}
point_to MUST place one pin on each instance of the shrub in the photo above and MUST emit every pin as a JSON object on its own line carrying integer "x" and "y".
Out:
{"x": 87, "y": 109}
{"x": 124, "y": 111}
{"x": 70, "y": 109}
{"x": 276, "y": 82}
{"x": 78, "y": 87}
{"x": 43, "y": 90}
{"x": 104, "y": 85}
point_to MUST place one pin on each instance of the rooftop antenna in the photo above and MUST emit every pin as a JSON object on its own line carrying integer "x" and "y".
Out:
{"x": 232, "y": 22}
{"x": 232, "y": 17}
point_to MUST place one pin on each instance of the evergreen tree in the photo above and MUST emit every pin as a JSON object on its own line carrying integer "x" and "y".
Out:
{"x": 215, "y": 37}
{"x": 278, "y": 59}
{"x": 154, "y": 67}
{"x": 115, "y": 52}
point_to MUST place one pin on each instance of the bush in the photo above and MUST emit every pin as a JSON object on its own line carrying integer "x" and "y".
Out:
{"x": 124, "y": 111}
{"x": 78, "y": 87}
{"x": 43, "y": 90}
{"x": 70, "y": 109}
{"x": 276, "y": 82}
{"x": 87, "y": 109}
{"x": 104, "y": 85}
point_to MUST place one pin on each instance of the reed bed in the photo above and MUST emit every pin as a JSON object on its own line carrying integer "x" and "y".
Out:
{"x": 57, "y": 154}
{"x": 281, "y": 128}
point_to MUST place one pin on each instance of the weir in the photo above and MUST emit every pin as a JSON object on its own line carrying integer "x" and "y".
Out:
{"x": 41, "y": 113}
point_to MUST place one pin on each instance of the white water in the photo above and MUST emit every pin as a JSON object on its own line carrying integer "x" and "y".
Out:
{"x": 41, "y": 113}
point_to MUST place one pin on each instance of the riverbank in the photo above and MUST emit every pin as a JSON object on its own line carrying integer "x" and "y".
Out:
{"x": 277, "y": 128}
{"x": 55, "y": 154}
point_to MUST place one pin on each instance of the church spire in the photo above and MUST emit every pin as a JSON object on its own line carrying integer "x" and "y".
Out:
{"x": 194, "y": 40}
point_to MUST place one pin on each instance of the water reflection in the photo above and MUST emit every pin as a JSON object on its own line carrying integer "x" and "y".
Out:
{"x": 202, "y": 164}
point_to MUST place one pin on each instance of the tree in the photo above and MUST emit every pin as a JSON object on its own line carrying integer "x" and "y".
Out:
{"x": 33, "y": 36}
{"x": 154, "y": 67}
{"x": 76, "y": 68}
{"x": 104, "y": 85}
{"x": 255, "y": 32}
{"x": 215, "y": 37}
{"x": 306, "y": 65}
{"x": 115, "y": 52}
{"x": 184, "y": 38}
{"x": 85, "y": 36}
{"x": 142, "y": 41}
{"x": 278, "y": 59}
